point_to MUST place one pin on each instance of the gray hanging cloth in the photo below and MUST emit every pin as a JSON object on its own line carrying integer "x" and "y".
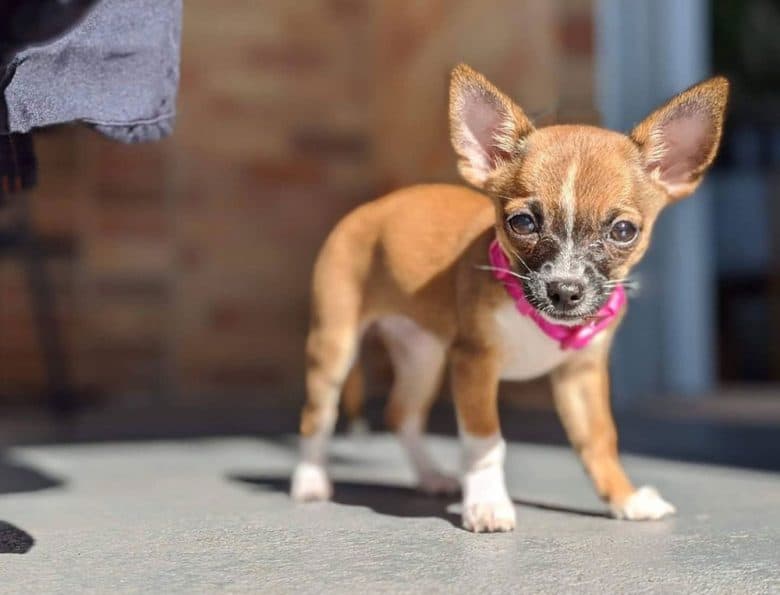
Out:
{"x": 116, "y": 70}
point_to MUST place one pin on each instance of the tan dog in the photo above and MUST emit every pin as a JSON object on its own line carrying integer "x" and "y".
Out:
{"x": 572, "y": 208}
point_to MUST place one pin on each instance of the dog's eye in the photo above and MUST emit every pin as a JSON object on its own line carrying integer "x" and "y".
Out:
{"x": 522, "y": 224}
{"x": 623, "y": 232}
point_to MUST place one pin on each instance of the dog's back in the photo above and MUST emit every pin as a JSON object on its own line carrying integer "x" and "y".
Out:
{"x": 395, "y": 253}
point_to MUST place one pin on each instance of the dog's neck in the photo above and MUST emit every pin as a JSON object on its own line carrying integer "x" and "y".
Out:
{"x": 569, "y": 337}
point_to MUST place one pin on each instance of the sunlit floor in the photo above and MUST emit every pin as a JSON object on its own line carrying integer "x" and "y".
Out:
{"x": 211, "y": 515}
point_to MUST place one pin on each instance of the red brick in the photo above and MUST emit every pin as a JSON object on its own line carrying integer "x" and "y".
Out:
{"x": 576, "y": 34}
{"x": 348, "y": 8}
{"x": 329, "y": 144}
{"x": 284, "y": 57}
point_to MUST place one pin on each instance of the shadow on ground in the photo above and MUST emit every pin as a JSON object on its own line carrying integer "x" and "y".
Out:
{"x": 390, "y": 500}
{"x": 18, "y": 478}
{"x": 14, "y": 540}
{"x": 399, "y": 501}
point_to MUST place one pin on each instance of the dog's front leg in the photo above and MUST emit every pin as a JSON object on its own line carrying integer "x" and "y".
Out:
{"x": 486, "y": 504}
{"x": 581, "y": 392}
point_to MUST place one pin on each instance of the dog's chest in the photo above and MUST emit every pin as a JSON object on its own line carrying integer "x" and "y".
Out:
{"x": 527, "y": 351}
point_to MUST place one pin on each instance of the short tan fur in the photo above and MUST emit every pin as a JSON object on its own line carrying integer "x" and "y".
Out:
{"x": 572, "y": 207}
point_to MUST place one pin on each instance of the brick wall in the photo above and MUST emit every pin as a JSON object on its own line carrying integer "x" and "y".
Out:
{"x": 190, "y": 259}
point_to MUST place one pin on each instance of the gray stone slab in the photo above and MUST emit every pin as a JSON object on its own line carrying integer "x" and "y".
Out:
{"x": 203, "y": 516}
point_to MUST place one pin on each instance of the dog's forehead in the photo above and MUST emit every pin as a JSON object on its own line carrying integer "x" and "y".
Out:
{"x": 589, "y": 169}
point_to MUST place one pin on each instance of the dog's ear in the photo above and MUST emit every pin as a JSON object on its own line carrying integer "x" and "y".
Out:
{"x": 679, "y": 140}
{"x": 486, "y": 127}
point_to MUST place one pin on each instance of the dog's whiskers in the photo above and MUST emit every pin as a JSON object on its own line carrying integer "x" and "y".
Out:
{"x": 485, "y": 267}
{"x": 628, "y": 283}
{"x": 520, "y": 258}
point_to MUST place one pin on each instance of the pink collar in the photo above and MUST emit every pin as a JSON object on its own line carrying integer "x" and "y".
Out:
{"x": 569, "y": 337}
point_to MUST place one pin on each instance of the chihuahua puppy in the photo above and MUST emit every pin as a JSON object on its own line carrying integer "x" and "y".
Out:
{"x": 517, "y": 281}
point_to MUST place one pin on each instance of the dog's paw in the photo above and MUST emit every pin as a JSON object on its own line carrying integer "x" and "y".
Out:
{"x": 646, "y": 504}
{"x": 489, "y": 517}
{"x": 310, "y": 483}
{"x": 435, "y": 483}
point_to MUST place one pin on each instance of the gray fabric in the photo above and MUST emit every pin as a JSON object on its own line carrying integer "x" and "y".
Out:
{"x": 117, "y": 70}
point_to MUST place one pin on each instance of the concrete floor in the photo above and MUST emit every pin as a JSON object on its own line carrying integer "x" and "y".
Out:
{"x": 212, "y": 516}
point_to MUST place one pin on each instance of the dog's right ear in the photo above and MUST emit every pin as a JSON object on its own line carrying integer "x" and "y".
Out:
{"x": 679, "y": 140}
{"x": 486, "y": 127}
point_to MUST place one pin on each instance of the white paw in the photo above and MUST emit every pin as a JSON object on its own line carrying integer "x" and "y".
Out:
{"x": 489, "y": 517}
{"x": 435, "y": 483}
{"x": 646, "y": 504}
{"x": 310, "y": 483}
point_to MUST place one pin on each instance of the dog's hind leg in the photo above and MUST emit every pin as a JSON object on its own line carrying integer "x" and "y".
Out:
{"x": 330, "y": 352}
{"x": 353, "y": 400}
{"x": 331, "y": 349}
{"x": 418, "y": 359}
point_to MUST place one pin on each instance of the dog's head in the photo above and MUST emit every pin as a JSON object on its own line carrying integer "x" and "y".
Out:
{"x": 576, "y": 205}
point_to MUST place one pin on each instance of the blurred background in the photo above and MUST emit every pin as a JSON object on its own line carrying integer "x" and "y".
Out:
{"x": 180, "y": 269}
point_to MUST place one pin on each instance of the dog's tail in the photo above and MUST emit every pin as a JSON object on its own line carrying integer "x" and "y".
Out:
{"x": 353, "y": 399}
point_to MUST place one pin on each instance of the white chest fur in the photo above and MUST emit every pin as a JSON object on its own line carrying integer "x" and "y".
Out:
{"x": 528, "y": 352}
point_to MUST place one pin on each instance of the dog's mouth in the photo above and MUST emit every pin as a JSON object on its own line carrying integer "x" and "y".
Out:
{"x": 592, "y": 303}
{"x": 552, "y": 297}
{"x": 569, "y": 319}
{"x": 566, "y": 318}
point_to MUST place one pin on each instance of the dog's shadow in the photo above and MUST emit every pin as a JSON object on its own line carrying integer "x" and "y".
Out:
{"x": 385, "y": 499}
{"x": 399, "y": 501}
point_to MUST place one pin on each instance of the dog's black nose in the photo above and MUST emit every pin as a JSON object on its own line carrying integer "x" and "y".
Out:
{"x": 565, "y": 294}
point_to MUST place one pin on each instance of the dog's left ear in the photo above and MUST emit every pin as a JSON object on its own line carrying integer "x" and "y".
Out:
{"x": 679, "y": 140}
{"x": 486, "y": 127}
